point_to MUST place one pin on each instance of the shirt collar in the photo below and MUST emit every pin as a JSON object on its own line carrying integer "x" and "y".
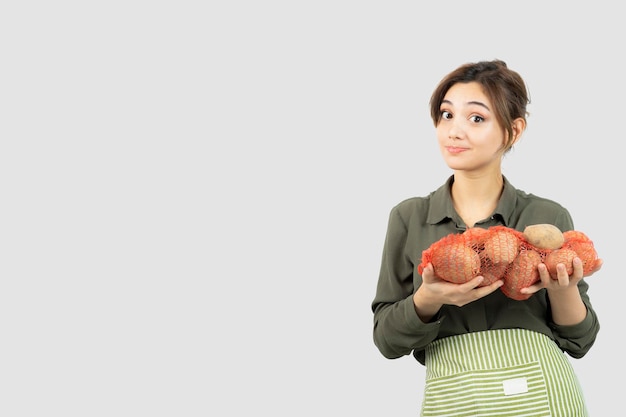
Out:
{"x": 441, "y": 207}
{"x": 507, "y": 203}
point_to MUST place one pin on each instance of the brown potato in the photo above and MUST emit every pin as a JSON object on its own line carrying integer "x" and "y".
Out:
{"x": 587, "y": 254}
{"x": 560, "y": 256}
{"x": 493, "y": 273}
{"x": 475, "y": 233}
{"x": 544, "y": 236}
{"x": 501, "y": 247}
{"x": 522, "y": 273}
{"x": 575, "y": 235}
{"x": 456, "y": 262}
{"x": 474, "y": 237}
{"x": 584, "y": 248}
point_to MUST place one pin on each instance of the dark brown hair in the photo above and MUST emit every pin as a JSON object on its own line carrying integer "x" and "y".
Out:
{"x": 504, "y": 87}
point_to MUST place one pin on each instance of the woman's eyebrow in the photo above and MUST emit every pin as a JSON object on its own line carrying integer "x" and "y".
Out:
{"x": 477, "y": 103}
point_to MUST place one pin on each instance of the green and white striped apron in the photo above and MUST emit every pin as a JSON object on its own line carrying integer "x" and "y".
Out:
{"x": 500, "y": 373}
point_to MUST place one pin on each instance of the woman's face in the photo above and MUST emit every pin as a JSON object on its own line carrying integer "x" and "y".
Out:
{"x": 470, "y": 138}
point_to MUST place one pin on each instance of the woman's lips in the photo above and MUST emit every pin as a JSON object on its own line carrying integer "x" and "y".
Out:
{"x": 454, "y": 149}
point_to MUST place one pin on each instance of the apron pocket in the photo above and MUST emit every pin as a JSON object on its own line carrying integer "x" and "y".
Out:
{"x": 504, "y": 392}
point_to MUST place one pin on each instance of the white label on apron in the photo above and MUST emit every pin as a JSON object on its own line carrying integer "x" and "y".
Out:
{"x": 515, "y": 386}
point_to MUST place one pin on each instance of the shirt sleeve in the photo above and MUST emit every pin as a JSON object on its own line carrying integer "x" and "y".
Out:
{"x": 577, "y": 339}
{"x": 397, "y": 328}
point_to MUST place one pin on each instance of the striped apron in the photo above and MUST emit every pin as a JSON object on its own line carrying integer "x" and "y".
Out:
{"x": 500, "y": 373}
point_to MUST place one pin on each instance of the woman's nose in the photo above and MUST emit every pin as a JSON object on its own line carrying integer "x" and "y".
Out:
{"x": 455, "y": 130}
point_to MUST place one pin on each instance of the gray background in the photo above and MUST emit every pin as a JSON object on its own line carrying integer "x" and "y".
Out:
{"x": 195, "y": 194}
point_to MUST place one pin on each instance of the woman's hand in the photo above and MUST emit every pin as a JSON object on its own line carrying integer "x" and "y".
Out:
{"x": 435, "y": 292}
{"x": 566, "y": 304}
{"x": 562, "y": 281}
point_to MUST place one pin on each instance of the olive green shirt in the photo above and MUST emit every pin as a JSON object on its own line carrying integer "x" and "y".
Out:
{"x": 416, "y": 223}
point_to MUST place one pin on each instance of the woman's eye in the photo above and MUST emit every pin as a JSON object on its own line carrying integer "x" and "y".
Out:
{"x": 446, "y": 114}
{"x": 476, "y": 119}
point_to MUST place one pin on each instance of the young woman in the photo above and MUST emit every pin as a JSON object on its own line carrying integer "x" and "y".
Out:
{"x": 485, "y": 353}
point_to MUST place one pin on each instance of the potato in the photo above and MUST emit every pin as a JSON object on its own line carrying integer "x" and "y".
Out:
{"x": 456, "y": 262}
{"x": 523, "y": 273}
{"x": 544, "y": 236}
{"x": 501, "y": 247}
{"x": 587, "y": 254}
{"x": 575, "y": 235}
{"x": 583, "y": 246}
{"x": 560, "y": 256}
{"x": 493, "y": 273}
{"x": 475, "y": 234}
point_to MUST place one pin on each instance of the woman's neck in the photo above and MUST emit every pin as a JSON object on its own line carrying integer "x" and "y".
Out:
{"x": 476, "y": 197}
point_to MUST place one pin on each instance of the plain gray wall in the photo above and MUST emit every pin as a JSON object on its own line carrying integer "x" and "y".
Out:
{"x": 195, "y": 196}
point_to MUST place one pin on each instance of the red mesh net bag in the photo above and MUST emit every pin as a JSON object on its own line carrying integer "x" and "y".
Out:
{"x": 500, "y": 252}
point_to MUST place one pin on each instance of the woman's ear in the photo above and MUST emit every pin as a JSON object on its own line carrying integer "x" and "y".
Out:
{"x": 519, "y": 125}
